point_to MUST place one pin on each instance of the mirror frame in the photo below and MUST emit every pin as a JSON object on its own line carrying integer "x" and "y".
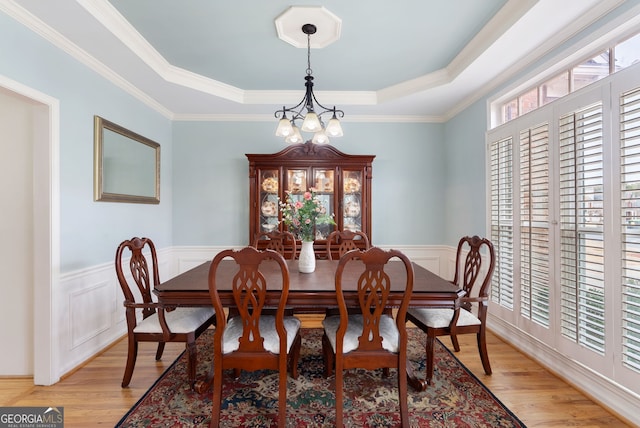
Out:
{"x": 100, "y": 125}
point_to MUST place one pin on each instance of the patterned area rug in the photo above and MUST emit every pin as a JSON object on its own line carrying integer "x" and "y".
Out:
{"x": 455, "y": 399}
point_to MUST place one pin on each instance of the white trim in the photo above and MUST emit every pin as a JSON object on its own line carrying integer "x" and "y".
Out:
{"x": 46, "y": 205}
{"x": 269, "y": 118}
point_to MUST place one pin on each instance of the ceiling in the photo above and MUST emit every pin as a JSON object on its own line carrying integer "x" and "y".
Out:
{"x": 409, "y": 60}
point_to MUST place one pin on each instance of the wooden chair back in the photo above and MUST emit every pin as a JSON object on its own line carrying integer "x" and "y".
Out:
{"x": 373, "y": 288}
{"x": 282, "y": 242}
{"x": 251, "y": 291}
{"x": 339, "y": 242}
{"x": 470, "y": 274}
{"x": 143, "y": 276}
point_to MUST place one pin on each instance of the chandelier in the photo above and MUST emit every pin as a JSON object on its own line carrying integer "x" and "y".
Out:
{"x": 312, "y": 119}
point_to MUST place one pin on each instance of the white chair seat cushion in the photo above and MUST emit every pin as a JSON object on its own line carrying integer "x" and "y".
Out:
{"x": 388, "y": 331}
{"x": 180, "y": 320}
{"x": 441, "y": 317}
{"x": 233, "y": 332}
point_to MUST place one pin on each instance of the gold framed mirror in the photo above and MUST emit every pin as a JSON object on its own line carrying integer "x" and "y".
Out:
{"x": 126, "y": 165}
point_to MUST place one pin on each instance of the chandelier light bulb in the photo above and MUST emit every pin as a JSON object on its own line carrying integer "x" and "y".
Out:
{"x": 284, "y": 127}
{"x": 334, "y": 129}
{"x": 320, "y": 137}
{"x": 295, "y": 137}
{"x": 311, "y": 122}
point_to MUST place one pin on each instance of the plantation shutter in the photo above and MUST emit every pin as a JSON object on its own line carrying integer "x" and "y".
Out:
{"x": 630, "y": 213}
{"x": 534, "y": 224}
{"x": 581, "y": 228}
{"x": 502, "y": 220}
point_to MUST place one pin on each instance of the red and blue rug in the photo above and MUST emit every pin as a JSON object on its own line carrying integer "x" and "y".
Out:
{"x": 456, "y": 397}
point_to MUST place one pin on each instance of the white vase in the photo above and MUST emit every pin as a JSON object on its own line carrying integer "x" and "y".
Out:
{"x": 307, "y": 260}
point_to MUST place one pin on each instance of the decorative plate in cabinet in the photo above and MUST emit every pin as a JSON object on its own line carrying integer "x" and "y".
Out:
{"x": 351, "y": 185}
{"x": 352, "y": 209}
{"x": 269, "y": 209}
{"x": 270, "y": 185}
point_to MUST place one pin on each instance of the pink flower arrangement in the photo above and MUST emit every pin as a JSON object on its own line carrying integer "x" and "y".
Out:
{"x": 301, "y": 215}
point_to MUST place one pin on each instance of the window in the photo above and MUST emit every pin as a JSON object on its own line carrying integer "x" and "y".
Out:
{"x": 528, "y": 101}
{"x": 582, "y": 228}
{"x": 590, "y": 71}
{"x": 502, "y": 221}
{"x": 630, "y": 225}
{"x": 596, "y": 67}
{"x": 627, "y": 53}
{"x": 554, "y": 88}
{"x": 534, "y": 224}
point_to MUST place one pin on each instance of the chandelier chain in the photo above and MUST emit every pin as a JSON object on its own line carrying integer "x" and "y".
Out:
{"x": 309, "y": 70}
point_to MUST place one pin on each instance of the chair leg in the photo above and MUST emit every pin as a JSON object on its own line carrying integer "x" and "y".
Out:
{"x": 339, "y": 397}
{"x": 454, "y": 342}
{"x": 216, "y": 401}
{"x": 327, "y": 356}
{"x": 132, "y": 354}
{"x": 192, "y": 362}
{"x": 402, "y": 392}
{"x": 282, "y": 395}
{"x": 294, "y": 357}
{"x": 430, "y": 349}
{"x": 159, "y": 351}
{"x": 482, "y": 347}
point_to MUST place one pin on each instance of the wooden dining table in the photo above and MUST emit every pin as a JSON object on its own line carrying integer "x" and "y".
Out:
{"x": 311, "y": 292}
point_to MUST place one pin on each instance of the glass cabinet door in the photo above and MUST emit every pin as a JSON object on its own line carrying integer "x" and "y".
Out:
{"x": 323, "y": 182}
{"x": 269, "y": 210}
{"x": 296, "y": 181}
{"x": 352, "y": 200}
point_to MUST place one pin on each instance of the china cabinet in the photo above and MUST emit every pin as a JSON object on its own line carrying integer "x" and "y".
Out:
{"x": 342, "y": 183}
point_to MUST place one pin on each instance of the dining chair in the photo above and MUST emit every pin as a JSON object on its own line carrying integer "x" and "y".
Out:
{"x": 282, "y": 242}
{"x": 339, "y": 242}
{"x": 252, "y": 340}
{"x": 461, "y": 320}
{"x": 158, "y": 324}
{"x": 371, "y": 338}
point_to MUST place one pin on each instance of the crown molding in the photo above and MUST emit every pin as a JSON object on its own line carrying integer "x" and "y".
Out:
{"x": 30, "y": 21}
{"x": 269, "y": 118}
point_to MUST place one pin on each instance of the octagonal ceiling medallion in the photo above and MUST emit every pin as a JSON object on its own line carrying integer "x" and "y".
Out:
{"x": 289, "y": 26}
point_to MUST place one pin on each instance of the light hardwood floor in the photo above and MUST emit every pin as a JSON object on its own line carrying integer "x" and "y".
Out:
{"x": 92, "y": 396}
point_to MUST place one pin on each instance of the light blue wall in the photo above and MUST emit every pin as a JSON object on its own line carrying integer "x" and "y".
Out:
{"x": 464, "y": 176}
{"x": 90, "y": 231}
{"x": 211, "y": 184}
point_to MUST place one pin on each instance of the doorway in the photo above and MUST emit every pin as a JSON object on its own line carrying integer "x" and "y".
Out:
{"x": 29, "y": 201}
